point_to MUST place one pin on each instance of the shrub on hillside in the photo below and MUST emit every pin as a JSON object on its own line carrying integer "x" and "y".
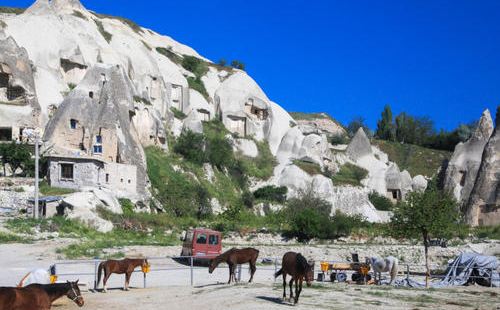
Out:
{"x": 380, "y": 202}
{"x": 349, "y": 174}
{"x": 220, "y": 152}
{"x": 191, "y": 146}
{"x": 339, "y": 139}
{"x": 271, "y": 193}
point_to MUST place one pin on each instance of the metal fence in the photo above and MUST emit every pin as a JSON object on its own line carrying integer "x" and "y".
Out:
{"x": 163, "y": 271}
{"x": 168, "y": 271}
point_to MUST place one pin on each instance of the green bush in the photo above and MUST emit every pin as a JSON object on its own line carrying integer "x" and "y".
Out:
{"x": 310, "y": 168}
{"x": 178, "y": 113}
{"x": 262, "y": 166}
{"x": 197, "y": 84}
{"x": 248, "y": 199}
{"x": 491, "y": 232}
{"x": 175, "y": 190}
{"x": 350, "y": 174}
{"x": 10, "y": 10}
{"x": 167, "y": 52}
{"x": 106, "y": 35}
{"x": 220, "y": 152}
{"x": 380, "y": 202}
{"x": 191, "y": 146}
{"x": 195, "y": 65}
{"x": 271, "y": 193}
{"x": 143, "y": 100}
{"x": 47, "y": 190}
{"x": 339, "y": 139}
{"x": 79, "y": 15}
{"x": 238, "y": 65}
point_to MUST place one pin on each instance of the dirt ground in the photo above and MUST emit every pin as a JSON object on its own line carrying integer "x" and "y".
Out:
{"x": 168, "y": 285}
{"x": 268, "y": 296}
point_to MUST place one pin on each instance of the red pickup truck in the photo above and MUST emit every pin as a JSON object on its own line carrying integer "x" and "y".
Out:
{"x": 204, "y": 244}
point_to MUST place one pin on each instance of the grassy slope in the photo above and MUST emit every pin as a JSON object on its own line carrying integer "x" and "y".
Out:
{"x": 415, "y": 159}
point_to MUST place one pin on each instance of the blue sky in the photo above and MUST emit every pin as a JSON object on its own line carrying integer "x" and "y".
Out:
{"x": 437, "y": 58}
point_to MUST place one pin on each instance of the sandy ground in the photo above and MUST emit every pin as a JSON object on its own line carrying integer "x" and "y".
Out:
{"x": 268, "y": 296}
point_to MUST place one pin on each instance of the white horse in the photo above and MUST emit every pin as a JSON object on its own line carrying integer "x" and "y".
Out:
{"x": 379, "y": 265}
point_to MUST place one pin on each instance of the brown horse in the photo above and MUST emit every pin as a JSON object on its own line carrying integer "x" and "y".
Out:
{"x": 125, "y": 266}
{"x": 38, "y": 296}
{"x": 235, "y": 257}
{"x": 299, "y": 268}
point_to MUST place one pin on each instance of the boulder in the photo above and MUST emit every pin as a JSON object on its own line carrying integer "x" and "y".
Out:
{"x": 82, "y": 206}
{"x": 246, "y": 147}
{"x": 419, "y": 183}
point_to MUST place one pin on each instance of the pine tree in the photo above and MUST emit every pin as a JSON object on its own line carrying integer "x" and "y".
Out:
{"x": 385, "y": 126}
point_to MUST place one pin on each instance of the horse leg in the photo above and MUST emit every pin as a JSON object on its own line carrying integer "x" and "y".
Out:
{"x": 253, "y": 268}
{"x": 298, "y": 289}
{"x": 105, "y": 280}
{"x": 127, "y": 280}
{"x": 231, "y": 271}
{"x": 284, "y": 286}
{"x": 291, "y": 289}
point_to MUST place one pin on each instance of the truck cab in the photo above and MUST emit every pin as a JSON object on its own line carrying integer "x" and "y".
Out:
{"x": 204, "y": 244}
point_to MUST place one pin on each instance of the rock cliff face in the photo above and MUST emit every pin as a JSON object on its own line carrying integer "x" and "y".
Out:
{"x": 483, "y": 207}
{"x": 101, "y": 88}
{"x": 464, "y": 164}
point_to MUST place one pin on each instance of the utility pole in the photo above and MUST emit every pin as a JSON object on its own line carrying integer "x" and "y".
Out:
{"x": 37, "y": 155}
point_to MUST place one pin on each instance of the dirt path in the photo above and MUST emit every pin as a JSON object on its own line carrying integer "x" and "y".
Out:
{"x": 268, "y": 296}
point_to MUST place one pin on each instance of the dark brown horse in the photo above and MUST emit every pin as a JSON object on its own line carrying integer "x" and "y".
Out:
{"x": 234, "y": 257}
{"x": 38, "y": 296}
{"x": 125, "y": 266}
{"x": 299, "y": 268}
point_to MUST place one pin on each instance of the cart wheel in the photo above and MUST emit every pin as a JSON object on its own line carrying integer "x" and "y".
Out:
{"x": 357, "y": 277}
{"x": 341, "y": 277}
{"x": 368, "y": 277}
{"x": 333, "y": 276}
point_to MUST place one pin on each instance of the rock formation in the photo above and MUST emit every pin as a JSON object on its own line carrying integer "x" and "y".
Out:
{"x": 463, "y": 166}
{"x": 101, "y": 88}
{"x": 483, "y": 207}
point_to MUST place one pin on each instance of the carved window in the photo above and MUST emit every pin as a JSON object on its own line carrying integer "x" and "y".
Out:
{"x": 73, "y": 123}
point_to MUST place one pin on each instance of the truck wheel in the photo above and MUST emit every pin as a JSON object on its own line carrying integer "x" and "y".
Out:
{"x": 341, "y": 277}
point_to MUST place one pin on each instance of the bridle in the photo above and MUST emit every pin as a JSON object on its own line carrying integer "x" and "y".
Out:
{"x": 74, "y": 293}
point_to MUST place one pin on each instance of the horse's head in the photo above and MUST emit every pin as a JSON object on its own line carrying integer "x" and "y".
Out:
{"x": 74, "y": 294}
{"x": 310, "y": 273}
{"x": 211, "y": 266}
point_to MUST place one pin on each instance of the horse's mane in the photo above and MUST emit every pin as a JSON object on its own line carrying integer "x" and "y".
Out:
{"x": 302, "y": 264}
{"x": 56, "y": 288}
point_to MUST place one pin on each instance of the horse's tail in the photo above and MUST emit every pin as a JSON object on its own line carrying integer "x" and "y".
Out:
{"x": 277, "y": 274}
{"x": 394, "y": 269}
{"x": 21, "y": 283}
{"x": 99, "y": 273}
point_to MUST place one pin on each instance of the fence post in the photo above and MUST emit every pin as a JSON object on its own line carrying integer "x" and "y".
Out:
{"x": 191, "y": 258}
{"x": 491, "y": 278}
{"x": 275, "y": 268}
{"x": 407, "y": 273}
{"x": 144, "y": 279}
{"x": 239, "y": 273}
{"x": 95, "y": 274}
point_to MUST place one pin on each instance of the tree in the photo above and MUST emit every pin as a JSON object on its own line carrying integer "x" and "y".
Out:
{"x": 355, "y": 124}
{"x": 427, "y": 214}
{"x": 191, "y": 145}
{"x": 238, "y": 65}
{"x": 222, "y": 62}
{"x": 16, "y": 156}
{"x": 385, "y": 126}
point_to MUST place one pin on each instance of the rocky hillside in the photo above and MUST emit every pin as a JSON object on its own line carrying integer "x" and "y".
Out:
{"x": 101, "y": 89}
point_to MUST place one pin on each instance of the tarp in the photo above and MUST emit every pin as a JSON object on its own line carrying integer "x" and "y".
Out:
{"x": 466, "y": 267}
